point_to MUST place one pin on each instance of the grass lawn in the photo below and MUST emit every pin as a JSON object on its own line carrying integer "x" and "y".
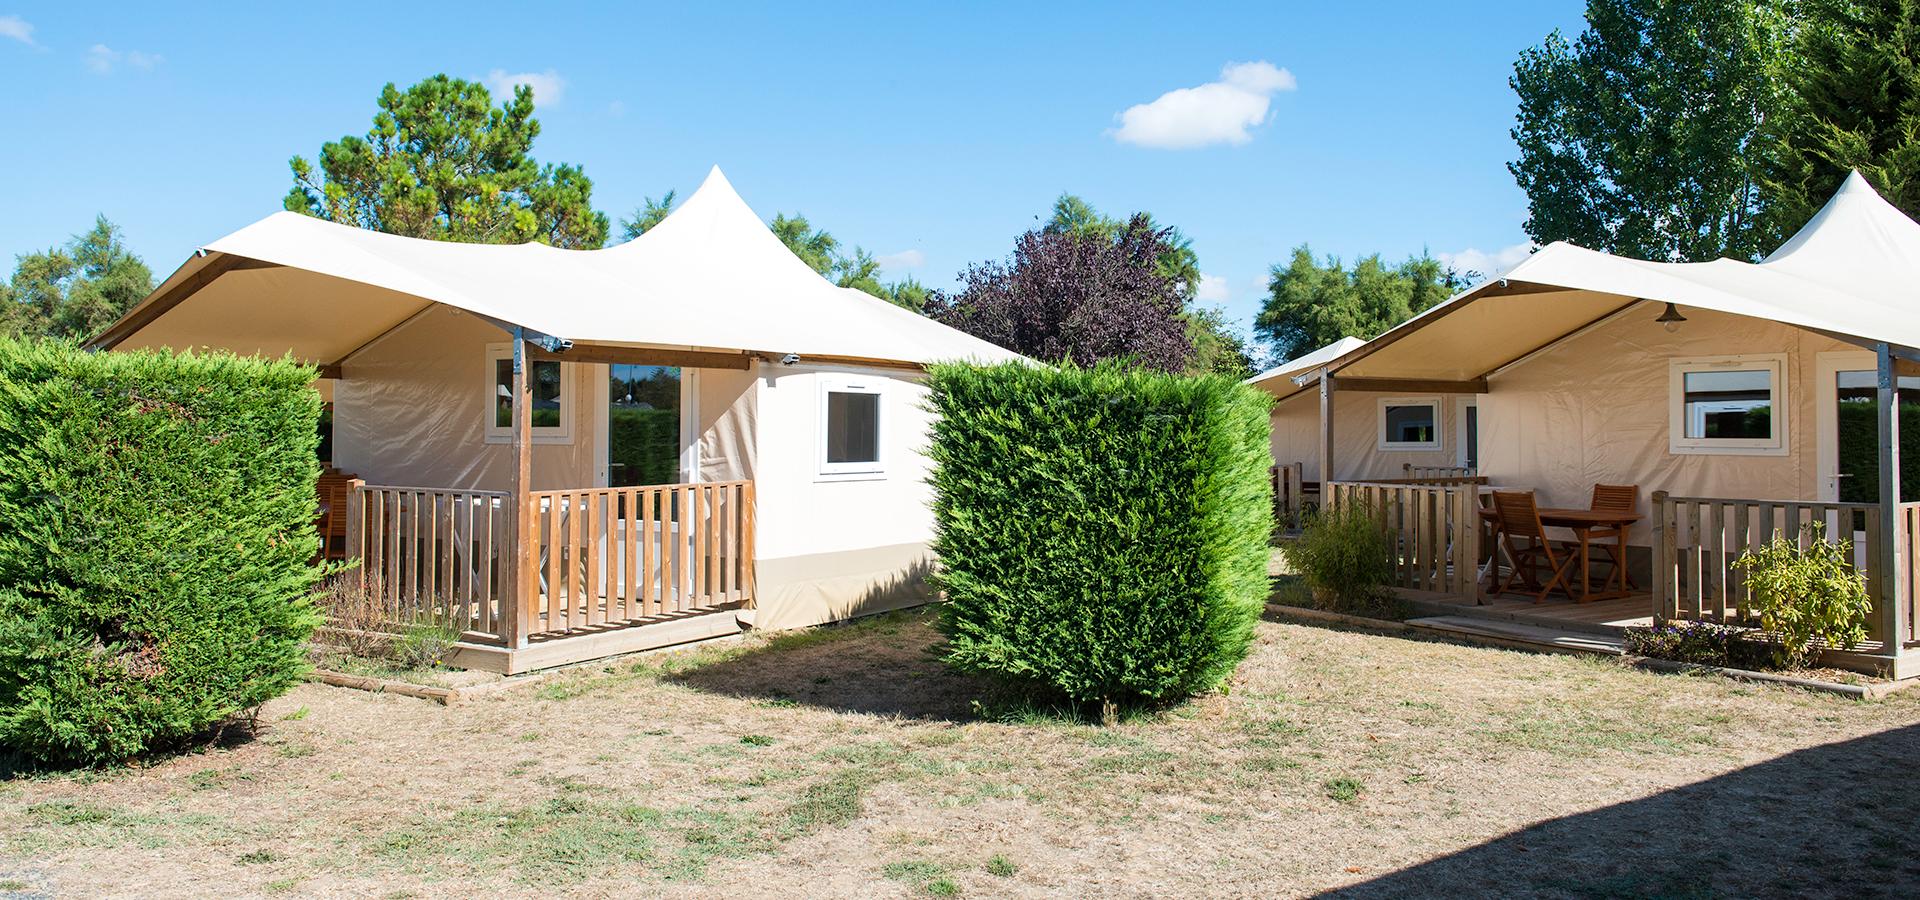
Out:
{"x": 846, "y": 761}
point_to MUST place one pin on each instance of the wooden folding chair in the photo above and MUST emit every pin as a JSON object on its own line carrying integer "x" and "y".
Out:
{"x": 1614, "y": 498}
{"x": 1527, "y": 546}
{"x": 334, "y": 486}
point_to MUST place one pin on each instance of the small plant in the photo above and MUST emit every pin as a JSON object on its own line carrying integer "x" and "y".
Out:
{"x": 1001, "y": 867}
{"x": 1346, "y": 559}
{"x": 1807, "y": 597}
{"x": 424, "y": 646}
{"x": 1344, "y": 790}
{"x": 356, "y": 615}
{"x": 1699, "y": 643}
{"x": 757, "y": 740}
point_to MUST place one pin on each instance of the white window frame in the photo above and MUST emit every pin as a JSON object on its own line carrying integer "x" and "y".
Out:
{"x": 1460, "y": 434}
{"x": 847, "y": 383}
{"x": 1679, "y": 443}
{"x": 560, "y": 434}
{"x": 1439, "y": 441}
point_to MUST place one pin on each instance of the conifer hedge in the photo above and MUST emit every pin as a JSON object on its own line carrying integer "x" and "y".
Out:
{"x": 156, "y": 527}
{"x": 1102, "y": 533}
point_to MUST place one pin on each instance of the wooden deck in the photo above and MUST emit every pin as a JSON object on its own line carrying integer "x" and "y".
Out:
{"x": 1608, "y": 617}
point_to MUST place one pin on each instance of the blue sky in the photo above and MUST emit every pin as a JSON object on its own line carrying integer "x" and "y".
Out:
{"x": 930, "y": 135}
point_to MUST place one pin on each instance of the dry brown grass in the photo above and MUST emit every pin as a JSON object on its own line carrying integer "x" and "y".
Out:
{"x": 849, "y": 762}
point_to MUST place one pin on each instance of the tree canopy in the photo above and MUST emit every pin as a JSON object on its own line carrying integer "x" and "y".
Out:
{"x": 442, "y": 163}
{"x": 1073, "y": 295}
{"x": 76, "y": 290}
{"x": 1635, "y": 138}
{"x": 1311, "y": 304}
{"x": 1852, "y": 101}
{"x": 650, "y": 213}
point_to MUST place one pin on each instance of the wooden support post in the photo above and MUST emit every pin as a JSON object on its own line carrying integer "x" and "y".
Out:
{"x": 1326, "y": 433}
{"x": 1892, "y": 591}
{"x": 356, "y": 513}
{"x": 516, "y": 621}
{"x": 1662, "y": 556}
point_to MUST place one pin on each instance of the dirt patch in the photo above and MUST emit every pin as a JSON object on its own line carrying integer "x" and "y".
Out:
{"x": 847, "y": 762}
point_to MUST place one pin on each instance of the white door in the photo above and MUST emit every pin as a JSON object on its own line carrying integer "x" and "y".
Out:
{"x": 1844, "y": 398}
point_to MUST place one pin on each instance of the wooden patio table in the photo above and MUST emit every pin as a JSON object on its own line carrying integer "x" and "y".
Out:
{"x": 1583, "y": 522}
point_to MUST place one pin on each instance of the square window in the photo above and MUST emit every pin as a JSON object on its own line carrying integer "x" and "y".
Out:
{"x": 552, "y": 398}
{"x": 1732, "y": 404}
{"x": 850, "y": 427}
{"x": 1410, "y": 423}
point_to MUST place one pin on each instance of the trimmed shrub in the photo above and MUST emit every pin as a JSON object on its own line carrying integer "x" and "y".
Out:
{"x": 1805, "y": 598}
{"x": 154, "y": 564}
{"x": 1102, "y": 532}
{"x": 1347, "y": 561}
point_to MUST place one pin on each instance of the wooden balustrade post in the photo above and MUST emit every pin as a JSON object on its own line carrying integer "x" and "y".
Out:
{"x": 1326, "y": 432}
{"x": 356, "y": 513}
{"x": 1891, "y": 594}
{"x": 515, "y": 621}
{"x": 1663, "y": 562}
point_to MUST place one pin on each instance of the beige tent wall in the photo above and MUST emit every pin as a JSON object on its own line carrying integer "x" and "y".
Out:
{"x": 412, "y": 408}
{"x": 729, "y": 410}
{"x": 1356, "y": 436}
{"x": 1595, "y": 409}
{"x": 832, "y": 549}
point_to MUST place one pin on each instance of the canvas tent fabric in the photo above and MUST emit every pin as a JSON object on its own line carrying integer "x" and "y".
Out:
{"x": 1851, "y": 272}
{"x": 710, "y": 276}
{"x": 1278, "y": 380}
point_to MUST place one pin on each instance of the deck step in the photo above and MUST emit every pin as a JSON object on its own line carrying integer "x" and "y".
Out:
{"x": 1550, "y": 616}
{"x": 1515, "y": 633}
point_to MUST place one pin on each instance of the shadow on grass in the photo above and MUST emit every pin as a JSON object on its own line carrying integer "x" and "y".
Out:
{"x": 1828, "y": 821}
{"x": 885, "y": 665}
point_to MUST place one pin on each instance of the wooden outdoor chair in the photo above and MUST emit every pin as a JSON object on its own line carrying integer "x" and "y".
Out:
{"x": 334, "y": 487}
{"x": 1527, "y": 546}
{"x": 1615, "y": 498}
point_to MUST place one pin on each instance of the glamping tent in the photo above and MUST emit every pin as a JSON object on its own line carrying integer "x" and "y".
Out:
{"x": 712, "y": 434}
{"x": 1742, "y": 399}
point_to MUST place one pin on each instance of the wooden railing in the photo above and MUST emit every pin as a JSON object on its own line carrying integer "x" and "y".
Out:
{"x": 611, "y": 555}
{"x": 1289, "y": 495}
{"x": 1909, "y": 528}
{"x": 1435, "y": 530}
{"x": 1697, "y": 539}
{"x": 603, "y": 556}
{"x": 432, "y": 556}
{"x": 1435, "y": 474}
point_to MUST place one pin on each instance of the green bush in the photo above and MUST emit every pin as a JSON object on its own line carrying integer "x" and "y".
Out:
{"x": 424, "y": 646}
{"x": 154, "y": 564}
{"x": 1102, "y": 533}
{"x": 1346, "y": 559}
{"x": 1807, "y": 597}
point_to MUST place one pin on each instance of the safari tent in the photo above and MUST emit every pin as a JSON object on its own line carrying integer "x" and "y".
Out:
{"x": 1738, "y": 399}
{"x": 712, "y": 436}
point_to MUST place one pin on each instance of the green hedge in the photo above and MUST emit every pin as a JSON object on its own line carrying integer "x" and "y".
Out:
{"x": 154, "y": 561}
{"x": 1102, "y": 533}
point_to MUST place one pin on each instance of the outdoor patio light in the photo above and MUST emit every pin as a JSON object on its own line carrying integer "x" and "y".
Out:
{"x": 1671, "y": 318}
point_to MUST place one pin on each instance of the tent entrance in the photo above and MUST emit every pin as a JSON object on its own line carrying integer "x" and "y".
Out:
{"x": 1848, "y": 412}
{"x": 646, "y": 425}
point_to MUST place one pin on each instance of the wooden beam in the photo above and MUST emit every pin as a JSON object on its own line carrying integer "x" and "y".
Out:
{"x": 159, "y": 304}
{"x": 1327, "y": 387}
{"x": 864, "y": 362}
{"x": 1893, "y": 588}
{"x": 331, "y": 370}
{"x": 1409, "y": 385}
{"x": 645, "y": 356}
{"x": 516, "y": 618}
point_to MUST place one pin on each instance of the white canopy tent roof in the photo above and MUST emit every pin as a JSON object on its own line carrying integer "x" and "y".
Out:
{"x": 1278, "y": 380}
{"x": 709, "y": 277}
{"x": 1852, "y": 272}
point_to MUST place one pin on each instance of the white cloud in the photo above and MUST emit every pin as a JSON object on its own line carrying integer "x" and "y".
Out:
{"x": 1218, "y": 112}
{"x": 905, "y": 259}
{"x": 1213, "y": 289}
{"x": 547, "y": 86}
{"x": 1488, "y": 264}
{"x": 17, "y": 28}
{"x": 617, "y": 109}
{"x": 103, "y": 59}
